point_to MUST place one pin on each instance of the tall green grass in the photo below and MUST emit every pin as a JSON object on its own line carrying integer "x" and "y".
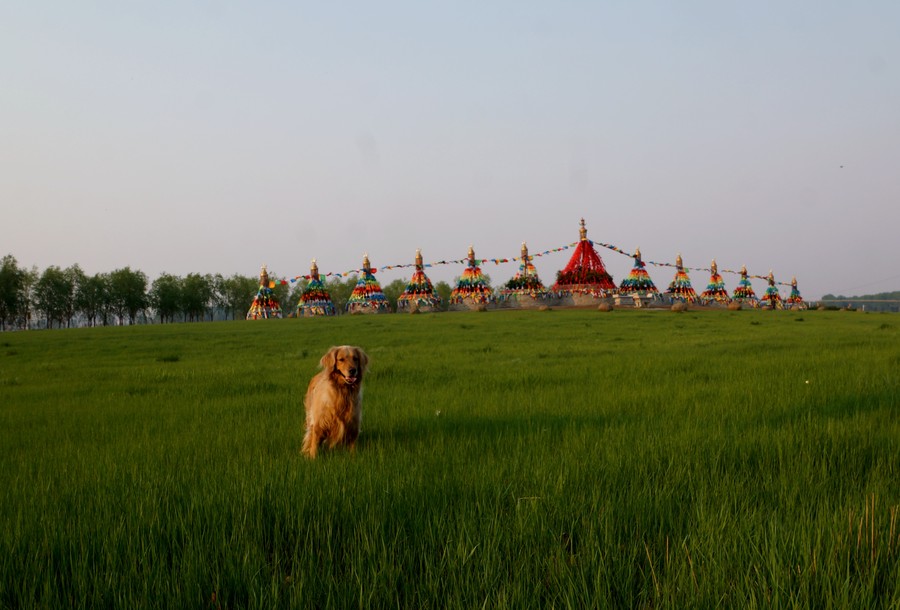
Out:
{"x": 508, "y": 459}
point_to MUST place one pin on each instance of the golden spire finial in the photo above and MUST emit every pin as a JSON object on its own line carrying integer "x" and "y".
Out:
{"x": 263, "y": 276}
{"x": 714, "y": 269}
{"x": 743, "y": 269}
{"x": 794, "y": 281}
{"x": 419, "y": 262}
{"x": 583, "y": 231}
{"x": 637, "y": 253}
{"x": 678, "y": 262}
{"x": 314, "y": 270}
{"x": 524, "y": 253}
{"x": 471, "y": 256}
{"x": 366, "y": 265}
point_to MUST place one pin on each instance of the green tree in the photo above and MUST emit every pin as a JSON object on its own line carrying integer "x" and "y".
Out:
{"x": 92, "y": 298}
{"x": 237, "y": 294}
{"x": 289, "y": 307}
{"x": 26, "y": 304}
{"x": 54, "y": 293}
{"x": 196, "y": 296}
{"x": 165, "y": 296}
{"x": 282, "y": 291}
{"x": 219, "y": 303}
{"x": 443, "y": 290}
{"x": 75, "y": 277}
{"x": 128, "y": 293}
{"x": 12, "y": 285}
{"x": 340, "y": 291}
{"x": 393, "y": 291}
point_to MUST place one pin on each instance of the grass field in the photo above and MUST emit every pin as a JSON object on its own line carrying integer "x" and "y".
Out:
{"x": 565, "y": 458}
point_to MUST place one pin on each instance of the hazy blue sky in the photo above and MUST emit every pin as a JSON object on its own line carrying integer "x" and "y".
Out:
{"x": 216, "y": 136}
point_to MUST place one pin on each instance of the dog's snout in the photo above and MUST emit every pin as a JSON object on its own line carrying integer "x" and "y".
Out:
{"x": 352, "y": 371}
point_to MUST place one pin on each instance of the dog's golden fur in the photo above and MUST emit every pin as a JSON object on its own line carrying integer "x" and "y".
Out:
{"x": 334, "y": 400}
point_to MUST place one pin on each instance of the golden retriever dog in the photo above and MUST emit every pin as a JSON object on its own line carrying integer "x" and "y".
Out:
{"x": 334, "y": 400}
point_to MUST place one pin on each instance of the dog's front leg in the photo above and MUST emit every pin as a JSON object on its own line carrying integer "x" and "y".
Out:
{"x": 350, "y": 436}
{"x": 337, "y": 434}
{"x": 311, "y": 442}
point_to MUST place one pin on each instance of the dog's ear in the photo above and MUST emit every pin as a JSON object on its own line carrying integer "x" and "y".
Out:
{"x": 329, "y": 359}
{"x": 363, "y": 359}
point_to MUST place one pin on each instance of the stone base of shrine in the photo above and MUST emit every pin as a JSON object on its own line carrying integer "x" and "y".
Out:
{"x": 358, "y": 310}
{"x": 473, "y": 305}
{"x": 584, "y": 299}
{"x": 667, "y": 301}
{"x": 706, "y": 304}
{"x": 527, "y": 301}
{"x": 406, "y": 307}
{"x": 746, "y": 303}
{"x": 314, "y": 312}
{"x": 636, "y": 300}
{"x": 262, "y": 315}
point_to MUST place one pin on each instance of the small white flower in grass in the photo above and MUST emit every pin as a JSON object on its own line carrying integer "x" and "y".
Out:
{"x": 438, "y": 412}
{"x": 807, "y": 382}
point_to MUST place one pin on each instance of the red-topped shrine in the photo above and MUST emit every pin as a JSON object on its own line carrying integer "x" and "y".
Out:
{"x": 585, "y": 273}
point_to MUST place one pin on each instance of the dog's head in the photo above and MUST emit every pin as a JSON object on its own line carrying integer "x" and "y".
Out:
{"x": 346, "y": 363}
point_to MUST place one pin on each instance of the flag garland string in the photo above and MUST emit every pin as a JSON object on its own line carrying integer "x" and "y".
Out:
{"x": 461, "y": 261}
{"x": 620, "y": 251}
{"x": 498, "y": 261}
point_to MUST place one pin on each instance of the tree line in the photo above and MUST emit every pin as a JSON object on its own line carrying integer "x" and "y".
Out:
{"x": 63, "y": 298}
{"x": 883, "y": 301}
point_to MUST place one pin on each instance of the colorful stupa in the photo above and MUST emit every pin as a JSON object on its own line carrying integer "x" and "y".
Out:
{"x": 638, "y": 281}
{"x": 367, "y": 296}
{"x": 419, "y": 294}
{"x": 585, "y": 275}
{"x": 264, "y": 305}
{"x": 744, "y": 290}
{"x": 680, "y": 289}
{"x": 715, "y": 291}
{"x": 525, "y": 289}
{"x": 472, "y": 290}
{"x": 315, "y": 300}
{"x": 772, "y": 298}
{"x": 795, "y": 300}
